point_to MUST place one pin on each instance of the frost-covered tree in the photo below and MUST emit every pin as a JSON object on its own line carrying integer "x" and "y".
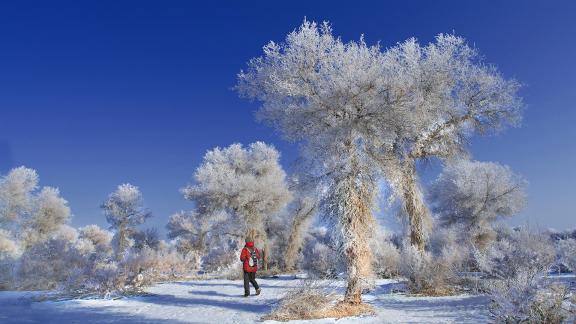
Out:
{"x": 124, "y": 210}
{"x": 474, "y": 195}
{"x": 147, "y": 238}
{"x": 362, "y": 112}
{"x": 16, "y": 194}
{"x": 303, "y": 212}
{"x": 30, "y": 216}
{"x": 29, "y": 220}
{"x": 50, "y": 213}
{"x": 100, "y": 238}
{"x": 248, "y": 184}
{"x": 190, "y": 230}
{"x": 318, "y": 90}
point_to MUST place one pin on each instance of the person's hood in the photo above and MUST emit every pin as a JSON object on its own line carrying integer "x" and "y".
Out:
{"x": 249, "y": 244}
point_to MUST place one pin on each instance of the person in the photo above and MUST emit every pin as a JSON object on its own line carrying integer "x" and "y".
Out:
{"x": 249, "y": 257}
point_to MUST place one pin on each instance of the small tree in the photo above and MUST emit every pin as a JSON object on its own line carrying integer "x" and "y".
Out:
{"x": 29, "y": 216}
{"x": 190, "y": 230}
{"x": 249, "y": 185}
{"x": 124, "y": 210}
{"x": 474, "y": 195}
{"x": 17, "y": 195}
{"x": 50, "y": 213}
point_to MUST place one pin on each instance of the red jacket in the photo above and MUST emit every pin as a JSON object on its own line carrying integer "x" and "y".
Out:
{"x": 245, "y": 257}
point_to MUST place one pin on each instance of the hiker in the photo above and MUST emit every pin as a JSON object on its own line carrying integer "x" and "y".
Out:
{"x": 249, "y": 257}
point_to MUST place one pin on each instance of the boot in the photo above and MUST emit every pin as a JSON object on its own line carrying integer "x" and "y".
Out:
{"x": 258, "y": 291}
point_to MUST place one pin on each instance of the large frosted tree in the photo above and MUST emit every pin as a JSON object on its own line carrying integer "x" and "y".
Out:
{"x": 363, "y": 113}
{"x": 248, "y": 184}
{"x": 124, "y": 210}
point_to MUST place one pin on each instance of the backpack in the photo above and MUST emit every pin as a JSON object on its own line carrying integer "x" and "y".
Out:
{"x": 253, "y": 260}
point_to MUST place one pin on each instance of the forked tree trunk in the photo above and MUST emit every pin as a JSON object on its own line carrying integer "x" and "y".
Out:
{"x": 304, "y": 213}
{"x": 355, "y": 199}
{"x": 419, "y": 218}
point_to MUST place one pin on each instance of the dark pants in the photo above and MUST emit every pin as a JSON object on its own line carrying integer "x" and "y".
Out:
{"x": 249, "y": 277}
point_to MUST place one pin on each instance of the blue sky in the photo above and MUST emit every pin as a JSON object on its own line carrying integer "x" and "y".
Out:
{"x": 94, "y": 94}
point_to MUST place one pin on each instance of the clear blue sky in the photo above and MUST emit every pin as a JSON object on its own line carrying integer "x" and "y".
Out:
{"x": 94, "y": 94}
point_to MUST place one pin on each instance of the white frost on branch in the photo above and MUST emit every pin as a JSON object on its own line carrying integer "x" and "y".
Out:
{"x": 124, "y": 210}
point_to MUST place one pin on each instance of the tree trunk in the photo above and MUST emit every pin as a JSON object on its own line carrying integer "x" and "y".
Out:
{"x": 355, "y": 199}
{"x": 265, "y": 256}
{"x": 122, "y": 241}
{"x": 301, "y": 221}
{"x": 419, "y": 218}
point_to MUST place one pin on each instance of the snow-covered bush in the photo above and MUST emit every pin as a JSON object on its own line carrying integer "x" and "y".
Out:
{"x": 319, "y": 260}
{"x": 428, "y": 274}
{"x": 566, "y": 250}
{"x": 437, "y": 270}
{"x": 145, "y": 266}
{"x": 47, "y": 264}
{"x": 515, "y": 269}
{"x": 9, "y": 253}
{"x": 386, "y": 255}
{"x": 312, "y": 299}
{"x": 520, "y": 251}
{"x": 320, "y": 257}
{"x": 527, "y": 299}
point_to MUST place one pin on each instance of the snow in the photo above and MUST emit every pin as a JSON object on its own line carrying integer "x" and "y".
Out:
{"x": 221, "y": 301}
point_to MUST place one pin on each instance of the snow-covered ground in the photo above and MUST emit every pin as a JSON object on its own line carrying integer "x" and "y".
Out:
{"x": 221, "y": 301}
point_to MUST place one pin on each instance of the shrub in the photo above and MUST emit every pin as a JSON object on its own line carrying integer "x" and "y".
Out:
{"x": 566, "y": 250}
{"x": 436, "y": 271}
{"x": 386, "y": 256}
{"x": 309, "y": 301}
{"x": 427, "y": 274}
{"x": 515, "y": 268}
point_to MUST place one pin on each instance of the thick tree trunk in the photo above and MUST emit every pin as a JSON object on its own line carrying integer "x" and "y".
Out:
{"x": 355, "y": 199}
{"x": 419, "y": 218}
{"x": 300, "y": 223}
